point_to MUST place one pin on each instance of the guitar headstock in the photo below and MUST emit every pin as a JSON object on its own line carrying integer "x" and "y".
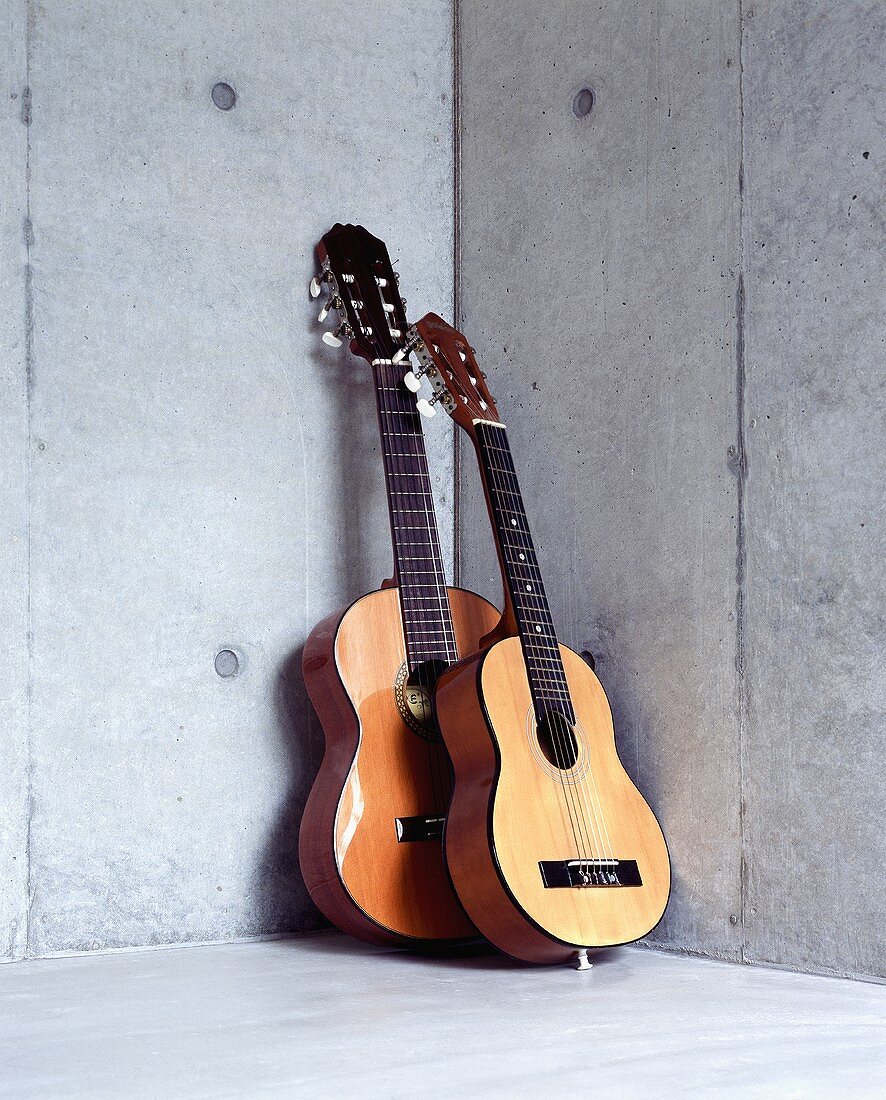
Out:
{"x": 447, "y": 360}
{"x": 363, "y": 291}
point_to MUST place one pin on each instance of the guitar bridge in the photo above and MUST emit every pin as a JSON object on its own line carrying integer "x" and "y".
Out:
{"x": 419, "y": 828}
{"x": 589, "y": 872}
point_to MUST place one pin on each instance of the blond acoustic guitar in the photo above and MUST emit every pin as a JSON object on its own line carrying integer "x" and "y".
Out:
{"x": 550, "y": 846}
{"x": 370, "y": 842}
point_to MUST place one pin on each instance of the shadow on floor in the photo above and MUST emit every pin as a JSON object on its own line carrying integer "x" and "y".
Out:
{"x": 474, "y": 956}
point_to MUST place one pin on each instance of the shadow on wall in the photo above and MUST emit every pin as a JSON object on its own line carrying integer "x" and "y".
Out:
{"x": 284, "y": 898}
{"x": 346, "y": 564}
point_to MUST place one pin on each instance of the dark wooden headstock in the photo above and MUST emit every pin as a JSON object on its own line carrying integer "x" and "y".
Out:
{"x": 356, "y": 269}
{"x": 447, "y": 360}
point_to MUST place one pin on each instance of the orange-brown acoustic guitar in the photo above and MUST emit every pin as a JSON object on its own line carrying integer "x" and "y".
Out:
{"x": 370, "y": 843}
{"x": 550, "y": 846}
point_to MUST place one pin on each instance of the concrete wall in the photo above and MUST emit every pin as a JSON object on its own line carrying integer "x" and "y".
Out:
{"x": 185, "y": 421}
{"x": 599, "y": 265}
{"x": 14, "y": 504}
{"x": 677, "y": 299}
{"x": 689, "y": 369}
{"x": 814, "y": 429}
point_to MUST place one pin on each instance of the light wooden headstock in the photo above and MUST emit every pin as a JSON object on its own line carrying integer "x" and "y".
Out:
{"x": 447, "y": 360}
{"x": 356, "y": 269}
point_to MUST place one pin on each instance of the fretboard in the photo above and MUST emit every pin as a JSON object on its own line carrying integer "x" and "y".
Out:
{"x": 424, "y": 601}
{"x": 525, "y": 589}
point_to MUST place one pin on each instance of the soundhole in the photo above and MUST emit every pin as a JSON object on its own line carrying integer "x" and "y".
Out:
{"x": 556, "y": 739}
{"x": 414, "y": 692}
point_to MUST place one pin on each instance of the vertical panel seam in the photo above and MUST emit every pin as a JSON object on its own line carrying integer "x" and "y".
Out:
{"x": 29, "y": 386}
{"x": 741, "y": 527}
{"x": 456, "y": 277}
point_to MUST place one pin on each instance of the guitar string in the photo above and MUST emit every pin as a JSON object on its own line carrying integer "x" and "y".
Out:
{"x": 560, "y": 691}
{"x": 591, "y": 805}
{"x": 580, "y": 835}
{"x": 416, "y": 486}
{"x": 402, "y": 455}
{"x": 410, "y": 450}
{"x": 591, "y": 808}
{"x": 557, "y": 740}
{"x": 590, "y": 794}
{"x": 398, "y": 478}
{"x": 441, "y": 591}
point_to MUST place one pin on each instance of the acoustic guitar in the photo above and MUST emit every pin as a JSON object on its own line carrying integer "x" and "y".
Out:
{"x": 370, "y": 843}
{"x": 550, "y": 846}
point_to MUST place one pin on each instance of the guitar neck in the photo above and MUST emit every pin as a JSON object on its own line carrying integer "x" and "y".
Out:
{"x": 525, "y": 597}
{"x": 418, "y": 562}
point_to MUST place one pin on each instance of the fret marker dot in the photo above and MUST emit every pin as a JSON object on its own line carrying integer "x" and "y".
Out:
{"x": 528, "y": 587}
{"x": 538, "y": 628}
{"x": 522, "y": 557}
{"x": 513, "y": 523}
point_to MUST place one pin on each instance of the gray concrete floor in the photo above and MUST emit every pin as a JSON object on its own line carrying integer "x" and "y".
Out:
{"x": 326, "y": 1017}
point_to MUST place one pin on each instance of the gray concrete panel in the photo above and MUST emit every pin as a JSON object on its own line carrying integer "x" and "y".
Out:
{"x": 815, "y": 172}
{"x": 210, "y": 476}
{"x": 13, "y": 480}
{"x": 599, "y": 276}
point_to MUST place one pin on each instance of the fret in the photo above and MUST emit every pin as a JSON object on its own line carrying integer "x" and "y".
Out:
{"x": 427, "y": 633}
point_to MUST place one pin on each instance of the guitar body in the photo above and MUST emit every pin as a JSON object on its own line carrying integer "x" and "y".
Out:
{"x": 378, "y": 770}
{"x": 512, "y": 809}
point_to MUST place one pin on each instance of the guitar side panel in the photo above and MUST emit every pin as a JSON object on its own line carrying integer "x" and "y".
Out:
{"x": 470, "y": 857}
{"x": 316, "y": 843}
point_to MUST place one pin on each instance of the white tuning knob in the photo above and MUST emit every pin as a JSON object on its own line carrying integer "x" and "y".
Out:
{"x": 324, "y": 312}
{"x": 331, "y": 339}
{"x": 411, "y": 381}
{"x": 314, "y": 287}
{"x": 425, "y": 407}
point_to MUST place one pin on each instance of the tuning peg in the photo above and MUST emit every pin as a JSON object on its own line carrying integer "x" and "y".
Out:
{"x": 332, "y": 303}
{"x": 412, "y": 380}
{"x": 426, "y": 407}
{"x": 314, "y": 287}
{"x": 407, "y": 349}
{"x": 334, "y": 339}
